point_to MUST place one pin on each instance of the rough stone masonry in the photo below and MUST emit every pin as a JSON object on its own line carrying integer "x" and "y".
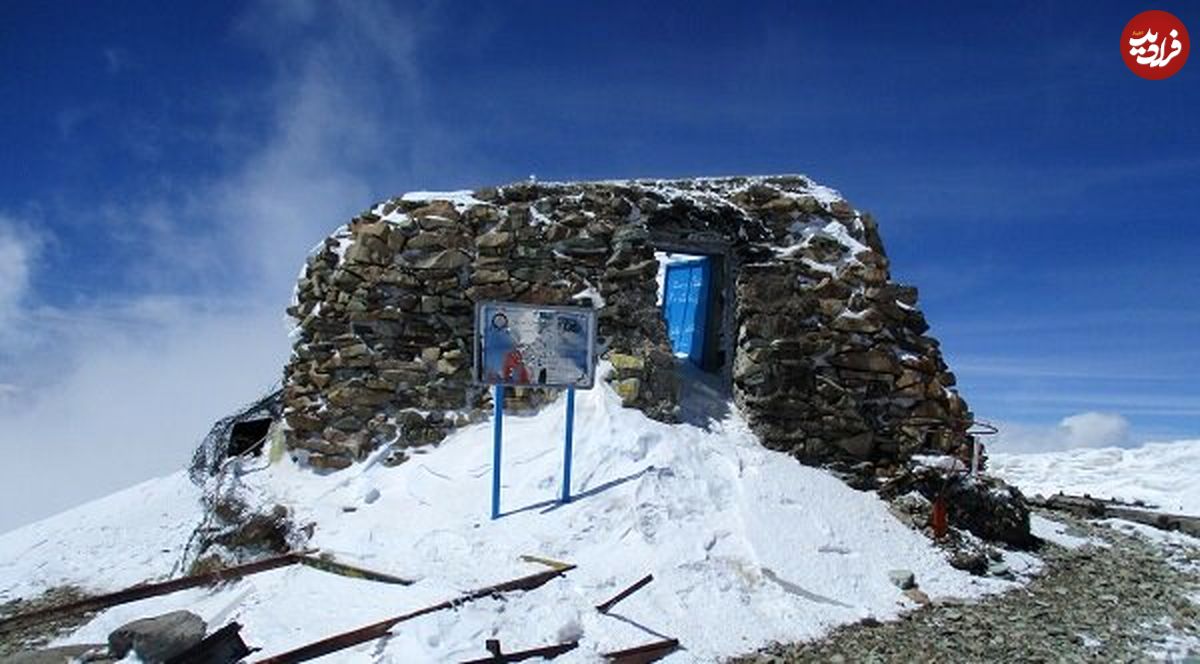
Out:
{"x": 825, "y": 356}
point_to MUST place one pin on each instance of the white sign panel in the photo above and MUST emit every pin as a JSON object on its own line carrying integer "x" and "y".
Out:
{"x": 533, "y": 345}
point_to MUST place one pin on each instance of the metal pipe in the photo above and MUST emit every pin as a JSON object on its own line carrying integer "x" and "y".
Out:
{"x": 497, "y": 436}
{"x": 566, "y": 487}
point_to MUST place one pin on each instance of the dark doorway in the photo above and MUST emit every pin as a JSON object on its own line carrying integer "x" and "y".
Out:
{"x": 247, "y": 435}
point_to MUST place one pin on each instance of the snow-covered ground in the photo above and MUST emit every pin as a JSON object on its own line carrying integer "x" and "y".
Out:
{"x": 1161, "y": 474}
{"x": 746, "y": 545}
{"x": 119, "y": 540}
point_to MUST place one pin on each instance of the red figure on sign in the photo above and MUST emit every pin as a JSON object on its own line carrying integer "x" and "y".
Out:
{"x": 514, "y": 370}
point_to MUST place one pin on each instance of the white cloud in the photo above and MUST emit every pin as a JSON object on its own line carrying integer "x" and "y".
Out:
{"x": 18, "y": 249}
{"x": 1093, "y": 429}
{"x": 1089, "y": 429}
{"x": 106, "y": 394}
{"x": 136, "y": 399}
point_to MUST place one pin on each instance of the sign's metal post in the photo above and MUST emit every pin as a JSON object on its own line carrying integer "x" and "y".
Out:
{"x": 540, "y": 346}
{"x": 497, "y": 436}
{"x": 566, "y": 487}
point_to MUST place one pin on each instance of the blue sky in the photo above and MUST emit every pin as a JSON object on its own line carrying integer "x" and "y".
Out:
{"x": 166, "y": 167}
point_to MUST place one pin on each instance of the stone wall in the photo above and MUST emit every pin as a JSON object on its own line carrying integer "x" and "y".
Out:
{"x": 827, "y": 358}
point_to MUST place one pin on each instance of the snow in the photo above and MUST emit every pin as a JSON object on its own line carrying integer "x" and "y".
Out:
{"x": 460, "y": 198}
{"x": 590, "y": 294}
{"x": 1162, "y": 474}
{"x": 1166, "y": 539}
{"x": 833, "y": 230}
{"x": 940, "y": 462}
{"x": 130, "y": 536}
{"x": 746, "y": 545}
{"x": 1056, "y": 532}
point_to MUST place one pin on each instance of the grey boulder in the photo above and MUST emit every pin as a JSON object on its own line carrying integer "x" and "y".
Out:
{"x": 158, "y": 639}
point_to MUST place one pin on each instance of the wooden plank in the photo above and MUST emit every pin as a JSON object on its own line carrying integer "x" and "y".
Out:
{"x": 352, "y": 571}
{"x": 383, "y": 627}
{"x": 641, "y": 583}
{"x": 548, "y": 562}
{"x": 650, "y": 652}
{"x": 145, "y": 590}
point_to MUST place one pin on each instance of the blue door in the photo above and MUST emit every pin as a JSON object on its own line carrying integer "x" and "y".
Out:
{"x": 685, "y": 306}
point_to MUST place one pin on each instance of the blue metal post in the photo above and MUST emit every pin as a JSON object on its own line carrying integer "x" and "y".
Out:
{"x": 497, "y": 435}
{"x": 566, "y": 488}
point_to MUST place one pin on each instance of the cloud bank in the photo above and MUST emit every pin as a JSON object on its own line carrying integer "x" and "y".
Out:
{"x": 1082, "y": 430}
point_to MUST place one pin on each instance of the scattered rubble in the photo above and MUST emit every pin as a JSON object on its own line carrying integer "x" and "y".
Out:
{"x": 1123, "y": 602}
{"x": 19, "y": 638}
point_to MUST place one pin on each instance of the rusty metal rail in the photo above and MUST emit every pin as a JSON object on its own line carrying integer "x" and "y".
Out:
{"x": 543, "y": 652}
{"x": 641, "y": 583}
{"x": 147, "y": 590}
{"x": 383, "y": 627}
{"x": 643, "y": 654}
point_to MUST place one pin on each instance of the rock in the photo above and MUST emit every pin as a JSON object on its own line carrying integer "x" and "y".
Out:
{"x": 991, "y": 509}
{"x": 917, "y": 595}
{"x": 623, "y": 362}
{"x": 329, "y": 462}
{"x": 902, "y": 579}
{"x": 873, "y": 361}
{"x": 861, "y": 446}
{"x": 450, "y": 259}
{"x": 628, "y": 389}
{"x": 493, "y": 240}
{"x": 159, "y": 638}
{"x": 969, "y": 560}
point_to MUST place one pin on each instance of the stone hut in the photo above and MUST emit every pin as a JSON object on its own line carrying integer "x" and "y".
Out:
{"x": 826, "y": 357}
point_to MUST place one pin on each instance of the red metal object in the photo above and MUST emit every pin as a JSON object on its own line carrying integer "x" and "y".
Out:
{"x": 939, "y": 519}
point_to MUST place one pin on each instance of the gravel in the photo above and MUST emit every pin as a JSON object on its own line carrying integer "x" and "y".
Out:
{"x": 1134, "y": 600}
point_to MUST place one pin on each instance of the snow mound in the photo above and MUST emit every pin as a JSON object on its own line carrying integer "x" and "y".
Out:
{"x": 746, "y": 545}
{"x": 1162, "y": 474}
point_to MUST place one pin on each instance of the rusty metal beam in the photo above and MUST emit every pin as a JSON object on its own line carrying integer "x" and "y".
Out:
{"x": 145, "y": 590}
{"x": 546, "y": 652}
{"x": 650, "y": 652}
{"x": 604, "y": 607}
{"x": 383, "y": 627}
